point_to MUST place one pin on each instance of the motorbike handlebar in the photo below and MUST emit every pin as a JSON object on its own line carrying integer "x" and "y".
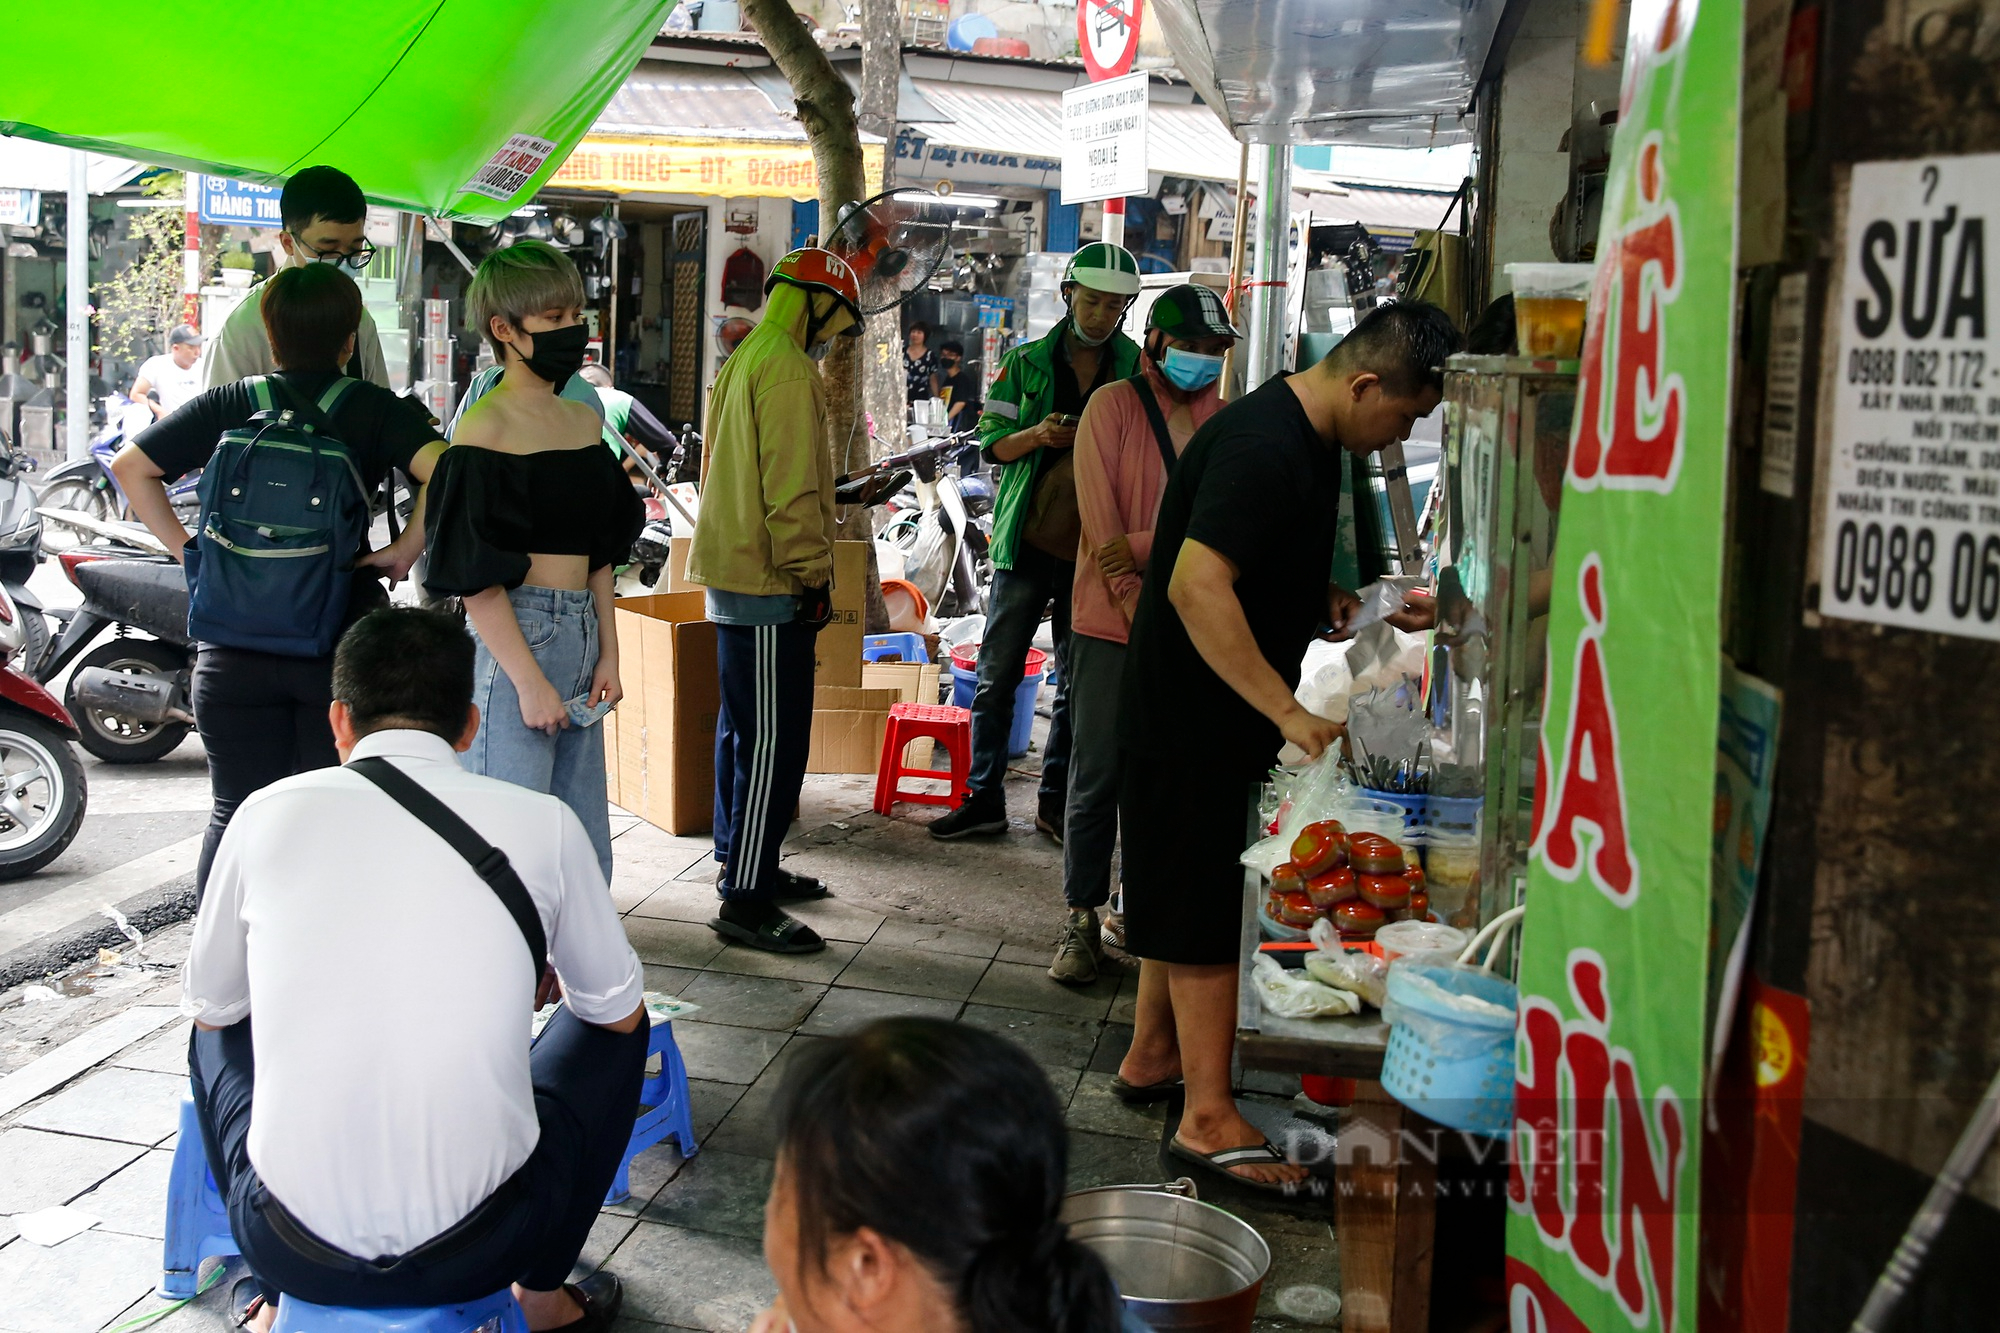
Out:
{"x": 939, "y": 451}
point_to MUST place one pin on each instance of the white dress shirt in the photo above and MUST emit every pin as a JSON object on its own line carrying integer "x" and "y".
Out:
{"x": 391, "y": 989}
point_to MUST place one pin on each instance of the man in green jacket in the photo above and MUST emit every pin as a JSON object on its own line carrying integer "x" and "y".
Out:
{"x": 763, "y": 549}
{"x": 1028, "y": 428}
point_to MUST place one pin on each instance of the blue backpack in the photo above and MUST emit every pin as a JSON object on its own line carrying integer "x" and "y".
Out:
{"x": 284, "y": 513}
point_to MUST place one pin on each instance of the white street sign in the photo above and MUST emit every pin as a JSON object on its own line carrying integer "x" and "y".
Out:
{"x": 1910, "y": 531}
{"x": 1104, "y": 140}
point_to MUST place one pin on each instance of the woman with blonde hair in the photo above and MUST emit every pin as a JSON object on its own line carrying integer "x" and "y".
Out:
{"x": 527, "y": 518}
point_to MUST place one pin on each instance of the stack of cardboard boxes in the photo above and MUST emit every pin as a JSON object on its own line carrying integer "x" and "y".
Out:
{"x": 659, "y": 744}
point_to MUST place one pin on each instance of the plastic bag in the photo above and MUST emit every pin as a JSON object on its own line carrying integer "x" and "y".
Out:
{"x": 1289, "y": 995}
{"x": 1363, "y": 974}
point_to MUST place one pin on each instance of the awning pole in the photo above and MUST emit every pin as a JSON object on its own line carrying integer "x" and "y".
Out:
{"x": 611, "y": 333}
{"x": 443, "y": 234}
{"x": 1238, "y": 238}
{"x": 1267, "y": 280}
{"x": 77, "y": 325}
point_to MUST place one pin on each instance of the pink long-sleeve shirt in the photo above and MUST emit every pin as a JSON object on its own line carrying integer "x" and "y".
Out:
{"x": 1119, "y": 481}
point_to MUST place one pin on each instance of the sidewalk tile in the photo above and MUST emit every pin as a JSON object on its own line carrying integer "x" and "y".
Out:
{"x": 902, "y": 934}
{"x": 133, "y": 1202}
{"x": 676, "y": 943}
{"x": 668, "y": 980}
{"x": 607, "y": 1233}
{"x": 131, "y": 1105}
{"x": 751, "y": 1002}
{"x": 750, "y": 1129}
{"x": 39, "y": 1170}
{"x": 837, "y": 920}
{"x": 1112, "y": 1043}
{"x": 83, "y": 1283}
{"x": 676, "y": 900}
{"x": 710, "y": 1101}
{"x": 705, "y": 870}
{"x": 692, "y": 1279}
{"x": 1030, "y": 955}
{"x": 945, "y": 976}
{"x": 1058, "y": 1043}
{"x": 726, "y": 1054}
{"x": 1097, "y": 1109}
{"x": 720, "y": 1192}
{"x": 1020, "y": 986}
{"x": 1108, "y": 1159}
{"x": 164, "y": 1054}
{"x": 844, "y": 1010}
{"x": 821, "y": 967}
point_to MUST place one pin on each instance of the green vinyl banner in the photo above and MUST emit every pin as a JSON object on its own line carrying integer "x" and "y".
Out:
{"x": 458, "y": 108}
{"x": 1603, "y": 1182}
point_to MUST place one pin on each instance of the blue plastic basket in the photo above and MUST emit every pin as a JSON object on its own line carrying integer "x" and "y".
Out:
{"x": 1411, "y": 804}
{"x": 1452, "y": 1067}
{"x": 1458, "y": 814}
{"x": 964, "y": 684}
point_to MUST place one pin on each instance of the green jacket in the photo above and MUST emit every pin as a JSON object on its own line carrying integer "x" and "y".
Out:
{"x": 1023, "y": 393}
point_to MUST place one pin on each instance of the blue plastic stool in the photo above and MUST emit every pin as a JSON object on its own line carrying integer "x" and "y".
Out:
{"x": 197, "y": 1221}
{"x": 498, "y": 1313}
{"x": 908, "y": 647}
{"x": 665, "y": 1111}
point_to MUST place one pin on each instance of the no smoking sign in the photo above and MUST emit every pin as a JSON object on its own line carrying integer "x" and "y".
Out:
{"x": 1107, "y": 32}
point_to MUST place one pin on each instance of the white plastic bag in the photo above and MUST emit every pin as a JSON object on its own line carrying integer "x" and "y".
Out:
{"x": 1362, "y": 974}
{"x": 1290, "y": 995}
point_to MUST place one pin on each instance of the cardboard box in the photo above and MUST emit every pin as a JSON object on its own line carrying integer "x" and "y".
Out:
{"x": 659, "y": 743}
{"x": 837, "y": 654}
{"x": 917, "y": 683}
{"x": 847, "y": 728}
{"x": 674, "y": 577}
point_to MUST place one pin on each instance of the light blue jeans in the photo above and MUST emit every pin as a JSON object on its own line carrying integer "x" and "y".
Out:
{"x": 561, "y": 629}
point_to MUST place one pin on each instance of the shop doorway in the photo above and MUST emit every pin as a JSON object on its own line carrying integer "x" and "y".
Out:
{"x": 667, "y": 273}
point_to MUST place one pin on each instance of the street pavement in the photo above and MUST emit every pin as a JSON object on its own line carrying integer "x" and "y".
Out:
{"x": 93, "y": 1064}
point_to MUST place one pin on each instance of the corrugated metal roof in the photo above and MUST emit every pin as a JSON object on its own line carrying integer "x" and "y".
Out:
{"x": 698, "y": 101}
{"x": 1181, "y": 139}
{"x": 1418, "y": 210}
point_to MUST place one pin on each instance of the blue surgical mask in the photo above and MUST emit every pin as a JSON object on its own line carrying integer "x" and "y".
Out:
{"x": 1189, "y": 371}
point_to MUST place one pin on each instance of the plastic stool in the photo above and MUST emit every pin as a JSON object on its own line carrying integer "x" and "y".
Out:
{"x": 498, "y": 1313}
{"x": 950, "y": 727}
{"x": 908, "y": 647}
{"x": 666, "y": 1112}
{"x": 197, "y": 1221}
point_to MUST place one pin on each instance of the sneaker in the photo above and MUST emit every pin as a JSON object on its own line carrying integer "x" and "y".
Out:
{"x": 1049, "y": 816}
{"x": 1076, "y": 954}
{"x": 975, "y": 815}
{"x": 1113, "y": 934}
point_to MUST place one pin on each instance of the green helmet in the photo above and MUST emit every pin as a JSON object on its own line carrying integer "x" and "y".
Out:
{"x": 1105, "y": 267}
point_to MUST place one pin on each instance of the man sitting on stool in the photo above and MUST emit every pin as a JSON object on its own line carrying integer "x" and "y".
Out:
{"x": 386, "y": 1137}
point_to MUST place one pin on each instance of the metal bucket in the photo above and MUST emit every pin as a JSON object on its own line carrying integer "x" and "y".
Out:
{"x": 1179, "y": 1263}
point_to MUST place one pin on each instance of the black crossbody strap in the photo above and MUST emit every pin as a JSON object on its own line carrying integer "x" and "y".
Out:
{"x": 488, "y": 861}
{"x": 1161, "y": 436}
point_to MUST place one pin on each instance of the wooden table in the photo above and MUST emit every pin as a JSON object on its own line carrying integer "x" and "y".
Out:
{"x": 1385, "y": 1195}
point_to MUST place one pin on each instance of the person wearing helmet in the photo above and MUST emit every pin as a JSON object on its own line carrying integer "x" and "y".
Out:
{"x": 629, "y": 426}
{"x": 1028, "y": 427}
{"x": 763, "y": 550}
{"x": 1125, "y": 449}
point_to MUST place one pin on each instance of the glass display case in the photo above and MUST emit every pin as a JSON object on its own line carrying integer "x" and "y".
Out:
{"x": 1506, "y": 446}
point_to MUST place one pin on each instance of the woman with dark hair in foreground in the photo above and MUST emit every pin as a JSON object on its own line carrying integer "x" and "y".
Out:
{"x": 920, "y": 1170}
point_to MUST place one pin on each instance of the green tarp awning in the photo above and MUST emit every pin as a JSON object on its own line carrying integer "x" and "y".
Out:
{"x": 416, "y": 99}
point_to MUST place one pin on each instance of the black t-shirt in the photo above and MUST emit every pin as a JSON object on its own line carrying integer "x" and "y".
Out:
{"x": 1258, "y": 486}
{"x": 380, "y": 429}
{"x": 962, "y": 386}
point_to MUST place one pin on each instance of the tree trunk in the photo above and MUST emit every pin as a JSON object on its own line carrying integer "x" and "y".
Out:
{"x": 882, "y": 388}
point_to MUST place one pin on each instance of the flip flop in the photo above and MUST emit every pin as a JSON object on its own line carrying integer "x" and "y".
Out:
{"x": 1256, "y": 1154}
{"x": 793, "y": 888}
{"x": 1144, "y": 1094}
{"x": 779, "y": 934}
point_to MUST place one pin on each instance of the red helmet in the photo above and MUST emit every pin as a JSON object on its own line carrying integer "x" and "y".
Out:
{"x": 819, "y": 270}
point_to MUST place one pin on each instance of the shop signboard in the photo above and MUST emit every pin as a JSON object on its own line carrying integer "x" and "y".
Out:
{"x": 234, "y": 203}
{"x": 1604, "y": 1177}
{"x": 717, "y": 168}
{"x": 1104, "y": 139}
{"x": 1909, "y": 518}
{"x": 20, "y": 208}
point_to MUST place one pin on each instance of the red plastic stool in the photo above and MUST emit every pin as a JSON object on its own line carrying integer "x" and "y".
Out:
{"x": 949, "y": 727}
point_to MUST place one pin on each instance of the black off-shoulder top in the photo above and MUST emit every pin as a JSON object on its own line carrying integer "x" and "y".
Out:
{"x": 487, "y": 511}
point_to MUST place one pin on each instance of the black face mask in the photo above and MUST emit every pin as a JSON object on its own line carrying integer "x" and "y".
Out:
{"x": 558, "y": 353}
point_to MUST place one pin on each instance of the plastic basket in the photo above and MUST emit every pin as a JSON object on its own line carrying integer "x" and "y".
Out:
{"x": 1458, "y": 814}
{"x": 1451, "y": 1067}
{"x": 1411, "y": 804}
{"x": 963, "y": 666}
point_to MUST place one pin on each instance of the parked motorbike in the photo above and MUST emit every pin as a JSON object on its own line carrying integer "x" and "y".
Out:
{"x": 43, "y": 793}
{"x": 85, "y": 486}
{"x": 21, "y": 534}
{"x": 130, "y": 696}
{"x": 942, "y": 541}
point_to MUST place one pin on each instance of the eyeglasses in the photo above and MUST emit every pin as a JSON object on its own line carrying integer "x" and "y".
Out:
{"x": 355, "y": 261}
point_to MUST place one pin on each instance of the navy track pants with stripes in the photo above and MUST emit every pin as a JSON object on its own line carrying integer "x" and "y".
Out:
{"x": 762, "y": 735}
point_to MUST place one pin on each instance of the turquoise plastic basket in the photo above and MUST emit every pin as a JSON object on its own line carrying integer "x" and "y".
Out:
{"x": 1452, "y": 1067}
